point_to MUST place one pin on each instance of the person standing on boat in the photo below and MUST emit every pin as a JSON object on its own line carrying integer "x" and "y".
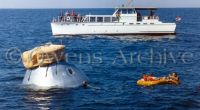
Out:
{"x": 79, "y": 17}
{"x": 73, "y": 15}
{"x": 67, "y": 13}
{"x": 151, "y": 16}
{"x": 118, "y": 15}
{"x": 61, "y": 16}
{"x": 139, "y": 17}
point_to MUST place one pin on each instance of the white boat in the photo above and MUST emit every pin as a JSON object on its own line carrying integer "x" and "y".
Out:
{"x": 124, "y": 21}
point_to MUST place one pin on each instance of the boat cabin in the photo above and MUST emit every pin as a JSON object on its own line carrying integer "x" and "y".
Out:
{"x": 131, "y": 14}
{"x": 126, "y": 15}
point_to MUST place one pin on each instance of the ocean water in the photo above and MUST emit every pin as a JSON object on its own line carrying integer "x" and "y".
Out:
{"x": 112, "y": 63}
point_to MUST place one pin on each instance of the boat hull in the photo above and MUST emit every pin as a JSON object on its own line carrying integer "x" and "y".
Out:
{"x": 60, "y": 28}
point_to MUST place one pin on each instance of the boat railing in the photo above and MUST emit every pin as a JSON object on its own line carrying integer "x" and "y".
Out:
{"x": 150, "y": 17}
{"x": 87, "y": 18}
{"x": 68, "y": 19}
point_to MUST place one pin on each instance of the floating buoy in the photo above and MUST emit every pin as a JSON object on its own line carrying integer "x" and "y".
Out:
{"x": 178, "y": 19}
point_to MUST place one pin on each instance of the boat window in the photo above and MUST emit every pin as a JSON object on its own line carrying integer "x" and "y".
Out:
{"x": 99, "y": 19}
{"x": 130, "y": 11}
{"x": 138, "y": 23}
{"x": 92, "y": 19}
{"x": 124, "y": 11}
{"x": 131, "y": 23}
{"x": 120, "y": 11}
{"x": 70, "y": 71}
{"x": 151, "y": 23}
{"x": 107, "y": 19}
{"x": 144, "y": 23}
{"x": 114, "y": 19}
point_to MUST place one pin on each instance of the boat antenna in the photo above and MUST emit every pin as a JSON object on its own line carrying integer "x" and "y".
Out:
{"x": 129, "y": 2}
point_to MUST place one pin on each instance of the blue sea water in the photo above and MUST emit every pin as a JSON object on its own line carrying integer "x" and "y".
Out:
{"x": 112, "y": 63}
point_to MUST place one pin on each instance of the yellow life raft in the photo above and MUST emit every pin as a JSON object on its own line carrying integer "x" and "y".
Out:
{"x": 43, "y": 56}
{"x": 159, "y": 81}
